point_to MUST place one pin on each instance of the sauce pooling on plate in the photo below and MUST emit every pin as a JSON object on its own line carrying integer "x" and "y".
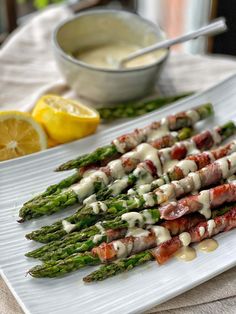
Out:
{"x": 109, "y": 55}
{"x": 207, "y": 245}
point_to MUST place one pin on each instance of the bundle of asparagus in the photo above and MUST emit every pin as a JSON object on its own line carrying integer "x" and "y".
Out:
{"x": 207, "y": 176}
{"x": 153, "y": 237}
{"x": 210, "y": 174}
{"x": 151, "y": 219}
{"x": 145, "y": 161}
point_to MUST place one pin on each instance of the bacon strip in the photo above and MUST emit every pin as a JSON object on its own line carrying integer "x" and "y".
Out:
{"x": 217, "y": 196}
{"x": 132, "y": 245}
{"x": 223, "y": 223}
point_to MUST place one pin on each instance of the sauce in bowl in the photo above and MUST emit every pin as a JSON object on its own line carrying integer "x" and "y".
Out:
{"x": 108, "y": 55}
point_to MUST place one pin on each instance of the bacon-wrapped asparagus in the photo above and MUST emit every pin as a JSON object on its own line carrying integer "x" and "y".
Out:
{"x": 143, "y": 240}
{"x": 207, "y": 176}
{"x": 162, "y": 142}
{"x": 145, "y": 172}
{"x": 60, "y": 250}
{"x": 76, "y": 261}
{"x": 202, "y": 202}
{"x": 129, "y": 141}
{"x": 203, "y": 230}
{"x": 165, "y": 250}
{"x": 115, "y": 170}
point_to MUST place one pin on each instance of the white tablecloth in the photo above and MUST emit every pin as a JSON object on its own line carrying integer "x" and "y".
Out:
{"x": 28, "y": 70}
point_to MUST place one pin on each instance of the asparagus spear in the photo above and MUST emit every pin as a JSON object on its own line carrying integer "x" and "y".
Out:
{"x": 134, "y": 109}
{"x": 110, "y": 152}
{"x": 135, "y": 260}
{"x": 121, "y": 266}
{"x": 64, "y": 266}
{"x": 57, "y": 188}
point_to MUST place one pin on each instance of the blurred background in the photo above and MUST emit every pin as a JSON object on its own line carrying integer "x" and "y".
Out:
{"x": 175, "y": 17}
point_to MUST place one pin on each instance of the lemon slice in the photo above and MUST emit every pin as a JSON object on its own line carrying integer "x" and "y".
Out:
{"x": 20, "y": 135}
{"x": 65, "y": 120}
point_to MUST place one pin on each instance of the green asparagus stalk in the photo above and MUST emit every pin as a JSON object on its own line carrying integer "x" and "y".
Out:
{"x": 99, "y": 155}
{"x": 64, "y": 266}
{"x": 121, "y": 266}
{"x": 57, "y": 188}
{"x": 134, "y": 109}
{"x": 110, "y": 152}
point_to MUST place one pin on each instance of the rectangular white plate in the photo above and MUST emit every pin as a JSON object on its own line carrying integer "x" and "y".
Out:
{"x": 133, "y": 292}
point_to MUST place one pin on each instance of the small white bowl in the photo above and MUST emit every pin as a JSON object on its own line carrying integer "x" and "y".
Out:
{"x": 96, "y": 27}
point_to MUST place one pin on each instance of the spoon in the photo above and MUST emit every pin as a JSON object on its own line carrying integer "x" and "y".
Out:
{"x": 215, "y": 27}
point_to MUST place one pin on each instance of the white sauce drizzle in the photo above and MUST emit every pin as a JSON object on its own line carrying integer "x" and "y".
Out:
{"x": 201, "y": 231}
{"x": 162, "y": 234}
{"x": 116, "y": 168}
{"x": 121, "y": 249}
{"x": 193, "y": 115}
{"x": 168, "y": 190}
{"x": 149, "y": 199}
{"x": 216, "y": 136}
{"x": 132, "y": 218}
{"x": 100, "y": 227}
{"x": 232, "y": 179}
{"x": 148, "y": 217}
{"x": 137, "y": 232}
{"x": 144, "y": 188}
{"x": 224, "y": 166}
{"x": 98, "y": 206}
{"x": 196, "y": 180}
{"x": 119, "y": 185}
{"x": 169, "y": 164}
{"x": 120, "y": 146}
{"x": 191, "y": 148}
{"x": 161, "y": 131}
{"x": 147, "y": 152}
{"x": 67, "y": 226}
{"x": 232, "y": 160}
{"x": 187, "y": 166}
{"x": 204, "y": 199}
{"x": 89, "y": 200}
{"x": 86, "y": 186}
{"x": 97, "y": 238}
{"x": 210, "y": 226}
{"x": 185, "y": 238}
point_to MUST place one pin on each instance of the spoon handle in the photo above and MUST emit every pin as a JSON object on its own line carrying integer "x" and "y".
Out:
{"x": 215, "y": 27}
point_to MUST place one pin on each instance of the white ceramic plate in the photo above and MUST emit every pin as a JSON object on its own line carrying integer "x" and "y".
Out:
{"x": 132, "y": 292}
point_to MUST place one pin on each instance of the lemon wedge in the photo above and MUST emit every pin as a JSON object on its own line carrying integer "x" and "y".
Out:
{"x": 65, "y": 120}
{"x": 20, "y": 135}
